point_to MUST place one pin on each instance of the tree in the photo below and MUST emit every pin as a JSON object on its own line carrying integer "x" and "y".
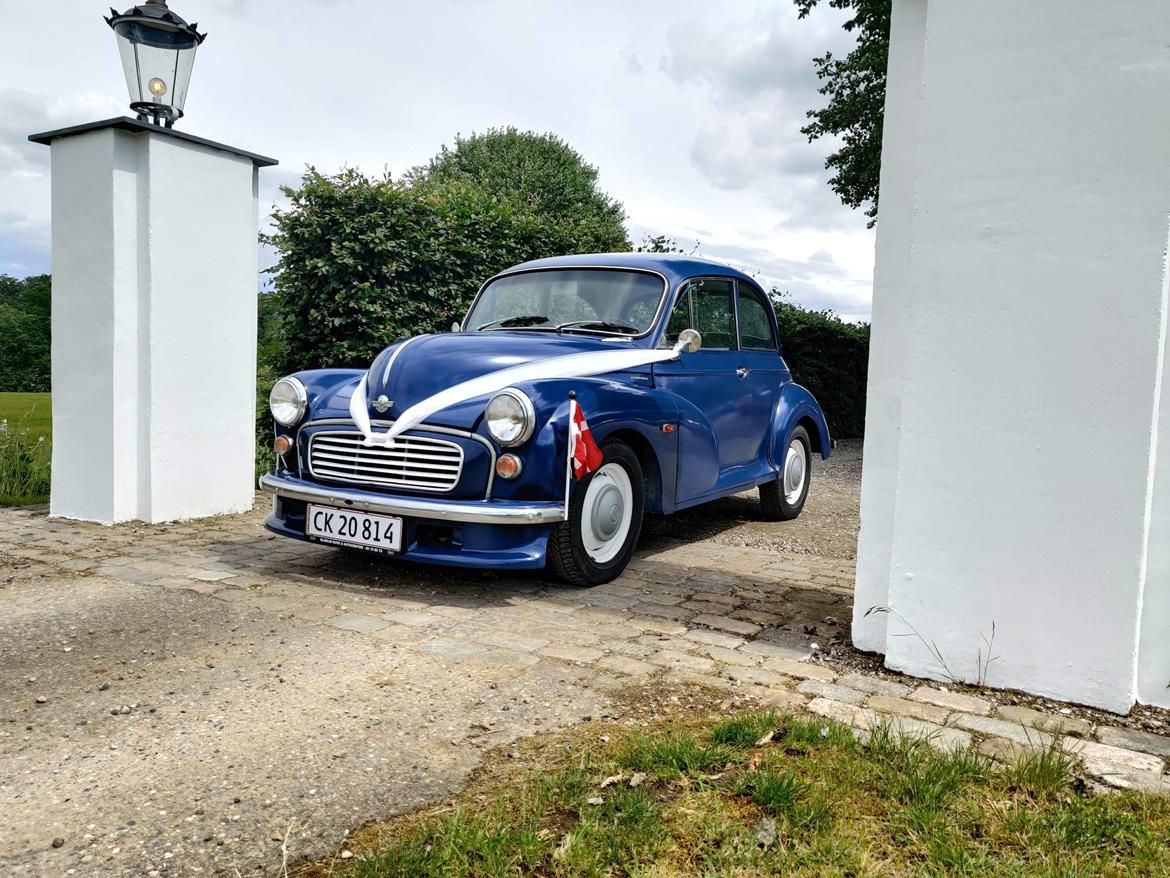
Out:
{"x": 538, "y": 175}
{"x": 24, "y": 333}
{"x": 856, "y": 88}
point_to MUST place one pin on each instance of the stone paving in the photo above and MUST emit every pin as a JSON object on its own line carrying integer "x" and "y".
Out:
{"x": 738, "y": 618}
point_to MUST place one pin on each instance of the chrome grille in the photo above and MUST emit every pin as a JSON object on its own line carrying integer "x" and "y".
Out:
{"x": 415, "y": 462}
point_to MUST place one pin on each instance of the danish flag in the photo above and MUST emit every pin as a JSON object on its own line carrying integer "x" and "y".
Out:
{"x": 583, "y": 451}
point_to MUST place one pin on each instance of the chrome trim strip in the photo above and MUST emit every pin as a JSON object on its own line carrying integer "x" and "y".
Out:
{"x": 511, "y": 271}
{"x": 472, "y": 512}
{"x": 424, "y": 428}
{"x": 410, "y": 474}
{"x": 394, "y": 356}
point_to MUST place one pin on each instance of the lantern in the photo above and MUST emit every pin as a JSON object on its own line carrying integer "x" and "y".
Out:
{"x": 158, "y": 52}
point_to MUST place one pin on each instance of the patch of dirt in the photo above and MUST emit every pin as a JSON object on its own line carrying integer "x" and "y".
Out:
{"x": 827, "y": 527}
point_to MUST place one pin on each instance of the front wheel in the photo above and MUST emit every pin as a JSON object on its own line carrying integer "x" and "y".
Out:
{"x": 783, "y": 498}
{"x": 605, "y": 519}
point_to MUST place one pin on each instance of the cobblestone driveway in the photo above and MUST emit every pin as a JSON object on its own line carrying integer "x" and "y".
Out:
{"x": 202, "y": 698}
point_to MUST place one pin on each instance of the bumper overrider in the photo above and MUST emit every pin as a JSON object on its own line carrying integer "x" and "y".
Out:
{"x": 503, "y": 534}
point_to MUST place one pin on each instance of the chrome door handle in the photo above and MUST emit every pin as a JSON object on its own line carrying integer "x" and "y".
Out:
{"x": 743, "y": 372}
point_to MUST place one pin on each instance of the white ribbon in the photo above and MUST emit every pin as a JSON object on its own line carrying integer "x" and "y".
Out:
{"x": 569, "y": 366}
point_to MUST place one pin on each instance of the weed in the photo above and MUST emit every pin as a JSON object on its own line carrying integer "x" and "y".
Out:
{"x": 25, "y": 463}
{"x": 674, "y": 755}
{"x": 744, "y": 731}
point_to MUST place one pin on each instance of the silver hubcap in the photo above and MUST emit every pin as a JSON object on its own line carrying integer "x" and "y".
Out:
{"x": 795, "y": 472}
{"x": 607, "y": 512}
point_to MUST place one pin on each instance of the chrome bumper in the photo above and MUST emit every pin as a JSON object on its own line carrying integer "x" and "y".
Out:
{"x": 474, "y": 511}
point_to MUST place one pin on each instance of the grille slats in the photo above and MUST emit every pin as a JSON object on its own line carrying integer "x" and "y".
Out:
{"x": 413, "y": 463}
{"x": 416, "y": 462}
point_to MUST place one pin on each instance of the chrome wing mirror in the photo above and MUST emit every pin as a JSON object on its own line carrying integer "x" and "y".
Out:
{"x": 689, "y": 341}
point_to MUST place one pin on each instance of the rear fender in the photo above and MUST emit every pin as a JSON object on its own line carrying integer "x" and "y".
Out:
{"x": 798, "y": 407}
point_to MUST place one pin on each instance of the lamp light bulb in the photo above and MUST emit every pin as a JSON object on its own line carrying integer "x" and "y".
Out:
{"x": 157, "y": 87}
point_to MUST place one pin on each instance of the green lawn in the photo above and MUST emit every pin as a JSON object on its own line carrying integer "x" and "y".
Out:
{"x": 763, "y": 794}
{"x": 37, "y": 408}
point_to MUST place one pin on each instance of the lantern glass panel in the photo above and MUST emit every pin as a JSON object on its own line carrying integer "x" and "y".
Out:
{"x": 157, "y": 62}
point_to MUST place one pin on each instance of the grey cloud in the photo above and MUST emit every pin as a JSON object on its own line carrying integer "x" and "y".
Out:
{"x": 24, "y": 245}
{"x": 760, "y": 80}
{"x": 23, "y": 113}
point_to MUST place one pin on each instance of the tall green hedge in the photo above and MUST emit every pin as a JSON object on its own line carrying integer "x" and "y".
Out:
{"x": 831, "y": 358}
{"x": 366, "y": 260}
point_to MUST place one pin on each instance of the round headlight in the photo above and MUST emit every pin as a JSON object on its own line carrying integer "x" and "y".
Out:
{"x": 510, "y": 417}
{"x": 288, "y": 401}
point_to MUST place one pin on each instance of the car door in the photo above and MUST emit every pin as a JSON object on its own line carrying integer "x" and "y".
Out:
{"x": 708, "y": 380}
{"x": 760, "y": 370}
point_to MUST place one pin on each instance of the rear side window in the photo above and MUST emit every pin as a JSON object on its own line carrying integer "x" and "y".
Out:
{"x": 755, "y": 327}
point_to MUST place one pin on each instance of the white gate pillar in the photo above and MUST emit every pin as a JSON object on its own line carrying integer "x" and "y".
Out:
{"x": 154, "y": 323}
{"x": 1020, "y": 438}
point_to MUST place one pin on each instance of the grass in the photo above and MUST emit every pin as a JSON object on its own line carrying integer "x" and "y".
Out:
{"x": 762, "y": 794}
{"x": 26, "y": 433}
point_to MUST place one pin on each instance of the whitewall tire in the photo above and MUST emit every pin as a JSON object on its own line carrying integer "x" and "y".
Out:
{"x": 605, "y": 520}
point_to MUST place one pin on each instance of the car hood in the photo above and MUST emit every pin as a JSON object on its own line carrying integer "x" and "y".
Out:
{"x": 415, "y": 369}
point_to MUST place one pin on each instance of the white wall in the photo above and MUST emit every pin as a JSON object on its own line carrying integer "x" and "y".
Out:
{"x": 1154, "y": 653}
{"x": 889, "y": 323}
{"x": 1027, "y": 341}
{"x": 154, "y": 327}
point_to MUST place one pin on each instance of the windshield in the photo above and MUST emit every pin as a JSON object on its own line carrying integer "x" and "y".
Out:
{"x": 570, "y": 300}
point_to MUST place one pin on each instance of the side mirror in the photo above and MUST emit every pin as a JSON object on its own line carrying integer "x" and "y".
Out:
{"x": 689, "y": 340}
{"x": 455, "y": 327}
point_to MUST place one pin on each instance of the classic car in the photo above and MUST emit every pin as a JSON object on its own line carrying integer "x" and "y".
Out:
{"x": 579, "y": 394}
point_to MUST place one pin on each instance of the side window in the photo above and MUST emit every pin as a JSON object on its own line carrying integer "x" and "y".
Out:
{"x": 755, "y": 329}
{"x": 708, "y": 306}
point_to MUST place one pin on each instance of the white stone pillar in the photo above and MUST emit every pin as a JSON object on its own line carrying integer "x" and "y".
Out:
{"x": 1022, "y": 334}
{"x": 154, "y": 323}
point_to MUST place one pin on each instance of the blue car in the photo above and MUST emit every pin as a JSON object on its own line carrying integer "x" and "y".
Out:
{"x": 579, "y": 394}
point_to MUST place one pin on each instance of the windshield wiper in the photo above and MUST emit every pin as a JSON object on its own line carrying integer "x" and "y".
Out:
{"x": 522, "y": 320}
{"x": 601, "y": 325}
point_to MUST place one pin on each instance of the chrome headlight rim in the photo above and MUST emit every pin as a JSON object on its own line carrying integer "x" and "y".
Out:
{"x": 301, "y": 397}
{"x": 529, "y": 412}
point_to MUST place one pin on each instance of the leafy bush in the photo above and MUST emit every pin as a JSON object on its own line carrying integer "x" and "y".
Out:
{"x": 269, "y": 331}
{"x": 24, "y": 334}
{"x": 366, "y": 260}
{"x": 25, "y": 458}
{"x": 537, "y": 174}
{"x": 831, "y": 358}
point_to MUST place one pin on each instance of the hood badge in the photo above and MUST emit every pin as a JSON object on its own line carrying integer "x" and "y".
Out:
{"x": 383, "y": 404}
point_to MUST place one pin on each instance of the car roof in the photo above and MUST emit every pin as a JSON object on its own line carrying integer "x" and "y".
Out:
{"x": 676, "y": 267}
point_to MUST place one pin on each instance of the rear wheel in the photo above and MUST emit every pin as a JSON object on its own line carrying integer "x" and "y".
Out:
{"x": 783, "y": 498}
{"x": 605, "y": 520}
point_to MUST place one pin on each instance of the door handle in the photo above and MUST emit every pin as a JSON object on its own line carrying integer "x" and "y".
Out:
{"x": 743, "y": 371}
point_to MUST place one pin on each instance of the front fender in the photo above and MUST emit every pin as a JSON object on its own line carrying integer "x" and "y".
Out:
{"x": 798, "y": 406}
{"x": 612, "y": 408}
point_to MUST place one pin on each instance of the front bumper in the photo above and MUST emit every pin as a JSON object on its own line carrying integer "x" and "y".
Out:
{"x": 466, "y": 511}
{"x": 486, "y": 534}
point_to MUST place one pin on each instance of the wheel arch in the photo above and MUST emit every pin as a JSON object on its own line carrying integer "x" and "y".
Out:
{"x": 651, "y": 467}
{"x": 798, "y": 407}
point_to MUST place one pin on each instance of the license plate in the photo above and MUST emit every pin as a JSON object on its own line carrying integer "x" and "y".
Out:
{"x": 341, "y": 527}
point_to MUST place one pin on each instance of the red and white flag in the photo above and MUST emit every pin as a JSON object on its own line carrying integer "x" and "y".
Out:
{"x": 584, "y": 454}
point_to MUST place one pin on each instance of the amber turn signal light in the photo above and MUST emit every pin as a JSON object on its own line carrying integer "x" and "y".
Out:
{"x": 282, "y": 445}
{"x": 508, "y": 466}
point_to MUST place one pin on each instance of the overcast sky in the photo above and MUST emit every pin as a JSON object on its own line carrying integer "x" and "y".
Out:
{"x": 691, "y": 109}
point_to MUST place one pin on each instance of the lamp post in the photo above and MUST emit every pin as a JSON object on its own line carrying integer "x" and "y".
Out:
{"x": 158, "y": 51}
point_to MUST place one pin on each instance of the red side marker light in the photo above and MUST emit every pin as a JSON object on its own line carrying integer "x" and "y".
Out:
{"x": 668, "y": 428}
